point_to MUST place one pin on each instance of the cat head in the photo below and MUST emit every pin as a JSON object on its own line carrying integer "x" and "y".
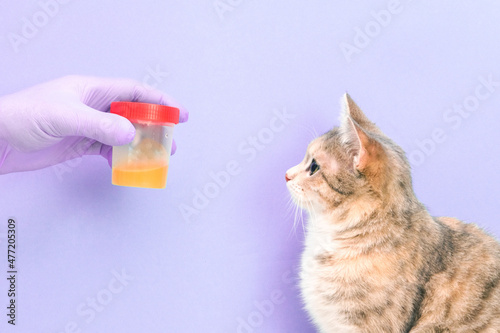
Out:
{"x": 353, "y": 166}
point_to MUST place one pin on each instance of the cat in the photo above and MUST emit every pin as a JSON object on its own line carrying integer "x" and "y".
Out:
{"x": 374, "y": 259}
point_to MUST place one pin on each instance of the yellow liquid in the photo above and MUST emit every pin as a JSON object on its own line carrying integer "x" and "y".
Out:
{"x": 152, "y": 175}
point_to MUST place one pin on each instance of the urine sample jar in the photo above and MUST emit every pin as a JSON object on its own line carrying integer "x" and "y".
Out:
{"x": 144, "y": 161}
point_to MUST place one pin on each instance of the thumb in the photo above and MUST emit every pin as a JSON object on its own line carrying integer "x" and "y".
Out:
{"x": 107, "y": 128}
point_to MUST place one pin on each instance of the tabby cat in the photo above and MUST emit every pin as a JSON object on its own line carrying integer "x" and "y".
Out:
{"x": 374, "y": 259}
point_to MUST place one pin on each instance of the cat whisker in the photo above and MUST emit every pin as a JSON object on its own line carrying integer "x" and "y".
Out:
{"x": 292, "y": 209}
{"x": 297, "y": 215}
{"x": 290, "y": 206}
{"x": 315, "y": 132}
{"x": 312, "y": 132}
{"x": 301, "y": 213}
{"x": 302, "y": 222}
{"x": 311, "y": 210}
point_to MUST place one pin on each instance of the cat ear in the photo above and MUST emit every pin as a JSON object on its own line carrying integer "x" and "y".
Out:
{"x": 352, "y": 110}
{"x": 367, "y": 152}
{"x": 360, "y": 142}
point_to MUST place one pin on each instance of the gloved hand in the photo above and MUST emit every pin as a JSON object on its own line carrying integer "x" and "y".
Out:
{"x": 67, "y": 118}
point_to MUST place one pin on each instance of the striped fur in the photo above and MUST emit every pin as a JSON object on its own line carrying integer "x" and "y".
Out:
{"x": 374, "y": 259}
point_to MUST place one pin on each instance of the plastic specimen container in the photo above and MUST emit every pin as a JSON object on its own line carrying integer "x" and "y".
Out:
{"x": 144, "y": 161}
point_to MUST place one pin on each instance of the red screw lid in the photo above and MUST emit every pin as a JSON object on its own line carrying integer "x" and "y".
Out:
{"x": 155, "y": 113}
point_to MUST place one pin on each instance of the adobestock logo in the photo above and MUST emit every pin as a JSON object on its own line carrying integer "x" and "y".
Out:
{"x": 222, "y": 7}
{"x": 454, "y": 117}
{"x": 73, "y": 160}
{"x": 31, "y": 26}
{"x": 98, "y": 302}
{"x": 371, "y": 30}
{"x": 248, "y": 149}
{"x": 263, "y": 309}
{"x": 154, "y": 77}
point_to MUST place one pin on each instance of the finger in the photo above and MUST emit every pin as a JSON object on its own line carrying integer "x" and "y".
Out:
{"x": 107, "y": 152}
{"x": 144, "y": 94}
{"x": 103, "y": 91}
{"x": 183, "y": 115}
{"x": 97, "y": 148}
{"x": 174, "y": 147}
{"x": 107, "y": 128}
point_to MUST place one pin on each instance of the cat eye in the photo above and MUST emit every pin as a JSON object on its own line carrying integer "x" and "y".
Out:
{"x": 313, "y": 168}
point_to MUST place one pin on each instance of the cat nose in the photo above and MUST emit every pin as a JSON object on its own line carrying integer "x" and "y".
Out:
{"x": 286, "y": 178}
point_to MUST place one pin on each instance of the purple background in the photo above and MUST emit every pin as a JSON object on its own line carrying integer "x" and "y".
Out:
{"x": 239, "y": 253}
